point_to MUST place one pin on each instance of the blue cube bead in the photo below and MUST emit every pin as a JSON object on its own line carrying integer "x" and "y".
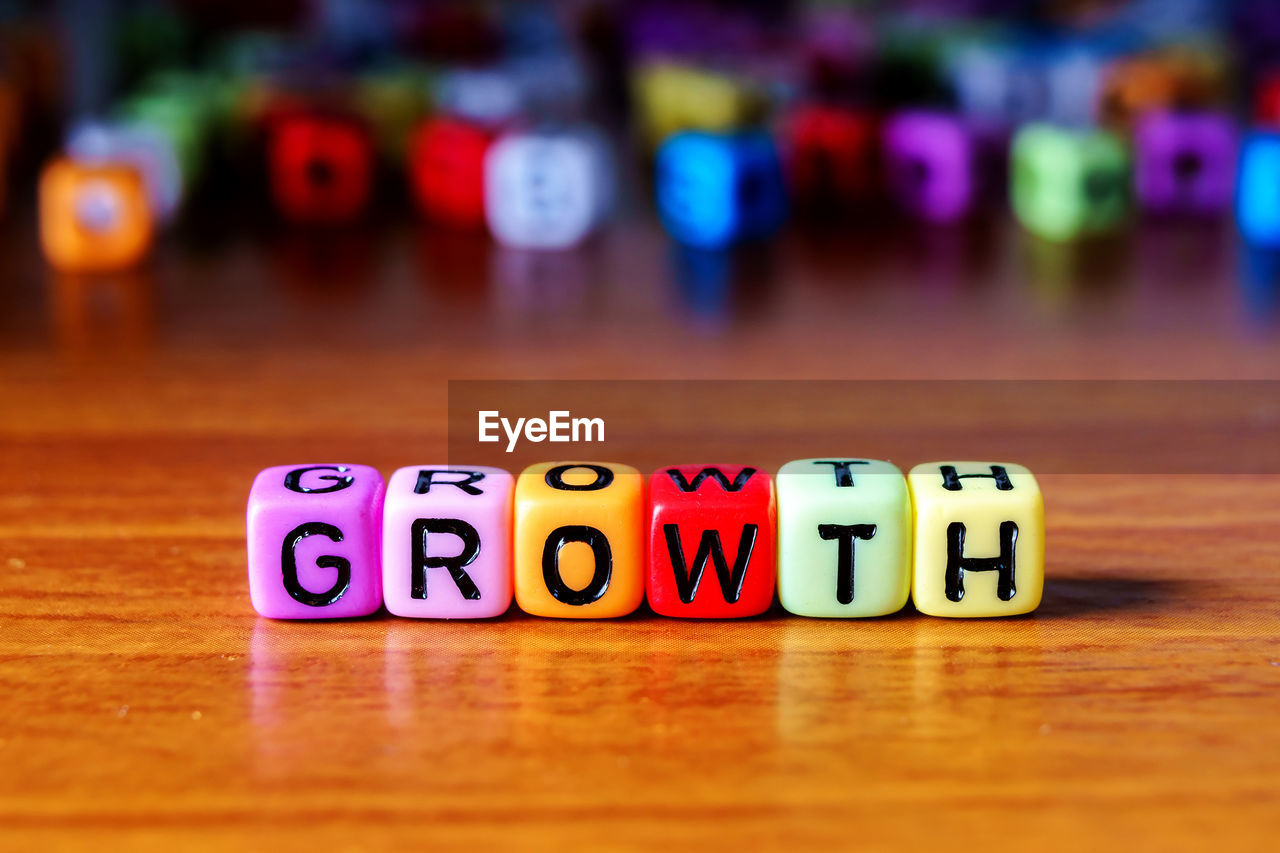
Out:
{"x": 717, "y": 189}
{"x": 1258, "y": 189}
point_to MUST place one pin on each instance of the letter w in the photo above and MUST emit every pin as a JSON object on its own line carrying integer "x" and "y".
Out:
{"x": 709, "y": 548}
{"x": 716, "y": 474}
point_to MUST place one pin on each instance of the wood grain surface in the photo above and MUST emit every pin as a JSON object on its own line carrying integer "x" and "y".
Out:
{"x": 143, "y": 704}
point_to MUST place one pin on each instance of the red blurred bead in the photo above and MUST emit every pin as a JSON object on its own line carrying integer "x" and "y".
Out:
{"x": 321, "y": 168}
{"x": 446, "y": 170}
{"x": 712, "y": 541}
{"x": 832, "y": 156}
{"x": 1266, "y": 99}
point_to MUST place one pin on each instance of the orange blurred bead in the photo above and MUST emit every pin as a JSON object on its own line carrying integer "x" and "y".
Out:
{"x": 1141, "y": 84}
{"x": 93, "y": 218}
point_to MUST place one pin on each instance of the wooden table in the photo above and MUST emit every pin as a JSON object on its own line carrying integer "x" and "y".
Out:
{"x": 145, "y": 703}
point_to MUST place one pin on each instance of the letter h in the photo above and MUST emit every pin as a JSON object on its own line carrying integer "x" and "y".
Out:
{"x": 951, "y": 480}
{"x": 958, "y": 563}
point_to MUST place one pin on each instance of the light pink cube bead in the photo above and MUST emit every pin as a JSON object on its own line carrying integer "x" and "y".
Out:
{"x": 446, "y": 547}
{"x": 315, "y": 541}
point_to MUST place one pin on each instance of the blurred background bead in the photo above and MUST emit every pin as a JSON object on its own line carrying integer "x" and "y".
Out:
{"x": 1068, "y": 184}
{"x": 94, "y": 218}
{"x": 1257, "y": 203}
{"x": 321, "y": 168}
{"x": 547, "y": 189}
{"x": 144, "y": 147}
{"x": 1185, "y": 162}
{"x": 832, "y": 156}
{"x": 930, "y": 165}
{"x": 446, "y": 169}
{"x": 717, "y": 189}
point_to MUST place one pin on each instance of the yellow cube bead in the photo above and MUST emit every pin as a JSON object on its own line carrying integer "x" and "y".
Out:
{"x": 579, "y": 540}
{"x": 672, "y": 98}
{"x": 979, "y": 539}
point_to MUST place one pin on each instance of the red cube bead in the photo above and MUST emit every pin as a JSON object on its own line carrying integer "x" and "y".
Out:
{"x": 1266, "y": 100}
{"x": 832, "y": 156}
{"x": 321, "y": 168}
{"x": 446, "y": 170}
{"x": 712, "y": 541}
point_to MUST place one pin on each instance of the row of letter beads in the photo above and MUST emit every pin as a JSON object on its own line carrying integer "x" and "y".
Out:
{"x": 837, "y": 537}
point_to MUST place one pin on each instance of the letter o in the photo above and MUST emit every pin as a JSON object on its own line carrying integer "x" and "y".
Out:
{"x": 555, "y": 478}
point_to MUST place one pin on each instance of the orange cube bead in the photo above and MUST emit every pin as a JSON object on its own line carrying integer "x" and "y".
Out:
{"x": 579, "y": 540}
{"x": 1141, "y": 84}
{"x": 94, "y": 218}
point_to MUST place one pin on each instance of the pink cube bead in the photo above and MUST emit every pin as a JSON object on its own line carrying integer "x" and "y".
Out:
{"x": 315, "y": 541}
{"x": 447, "y": 542}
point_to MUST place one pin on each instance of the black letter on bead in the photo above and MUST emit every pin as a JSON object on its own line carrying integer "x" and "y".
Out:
{"x": 555, "y": 478}
{"x": 293, "y": 480}
{"x": 715, "y": 473}
{"x": 951, "y": 480}
{"x": 844, "y": 534}
{"x": 844, "y": 477}
{"x": 599, "y": 584}
{"x": 455, "y": 564}
{"x": 709, "y": 548}
{"x": 425, "y": 481}
{"x": 290, "y": 564}
{"x": 958, "y": 564}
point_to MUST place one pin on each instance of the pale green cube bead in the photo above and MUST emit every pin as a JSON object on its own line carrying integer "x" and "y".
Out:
{"x": 814, "y": 494}
{"x": 1066, "y": 183}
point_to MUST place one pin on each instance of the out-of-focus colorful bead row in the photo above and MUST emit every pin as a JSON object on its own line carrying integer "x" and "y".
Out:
{"x": 1076, "y": 132}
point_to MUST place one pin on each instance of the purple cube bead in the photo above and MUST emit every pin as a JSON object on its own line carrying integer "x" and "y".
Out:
{"x": 1185, "y": 162}
{"x": 930, "y": 165}
{"x": 315, "y": 541}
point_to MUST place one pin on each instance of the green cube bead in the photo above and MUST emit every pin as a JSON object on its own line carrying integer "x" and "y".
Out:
{"x": 1067, "y": 184}
{"x": 180, "y": 105}
{"x": 844, "y": 537}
